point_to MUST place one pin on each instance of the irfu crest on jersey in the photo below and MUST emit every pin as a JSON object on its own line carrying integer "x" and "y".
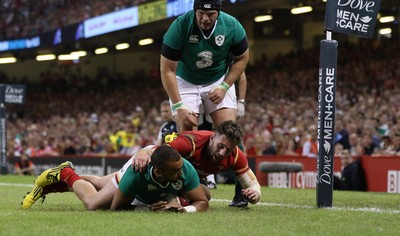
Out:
{"x": 177, "y": 185}
{"x": 219, "y": 39}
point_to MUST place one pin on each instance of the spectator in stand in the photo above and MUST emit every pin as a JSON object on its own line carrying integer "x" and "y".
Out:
{"x": 396, "y": 144}
{"x": 310, "y": 146}
{"x": 270, "y": 148}
{"x": 338, "y": 149}
{"x": 250, "y": 146}
{"x": 341, "y": 134}
{"x": 292, "y": 143}
{"x": 356, "y": 148}
{"x": 368, "y": 145}
{"x": 24, "y": 166}
{"x": 352, "y": 176}
{"x": 50, "y": 147}
{"x": 70, "y": 146}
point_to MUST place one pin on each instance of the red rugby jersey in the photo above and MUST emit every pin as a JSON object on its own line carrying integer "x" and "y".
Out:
{"x": 192, "y": 145}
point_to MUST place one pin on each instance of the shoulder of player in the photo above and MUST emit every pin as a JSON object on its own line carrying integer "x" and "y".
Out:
{"x": 237, "y": 156}
{"x": 188, "y": 168}
{"x": 185, "y": 18}
{"x": 227, "y": 19}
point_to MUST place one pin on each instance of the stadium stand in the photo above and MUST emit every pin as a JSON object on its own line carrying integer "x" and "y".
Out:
{"x": 281, "y": 107}
{"x": 23, "y": 18}
{"x": 100, "y": 114}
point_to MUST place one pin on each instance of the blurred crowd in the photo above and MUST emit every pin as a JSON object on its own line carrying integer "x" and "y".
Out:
{"x": 21, "y": 18}
{"x": 109, "y": 114}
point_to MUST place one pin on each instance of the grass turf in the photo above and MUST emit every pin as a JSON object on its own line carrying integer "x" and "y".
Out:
{"x": 280, "y": 212}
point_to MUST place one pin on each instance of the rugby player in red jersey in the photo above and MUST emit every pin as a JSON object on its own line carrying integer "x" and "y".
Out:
{"x": 212, "y": 152}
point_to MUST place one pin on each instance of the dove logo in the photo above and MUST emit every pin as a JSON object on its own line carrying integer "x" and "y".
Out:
{"x": 327, "y": 146}
{"x": 356, "y": 17}
{"x": 366, "y": 19}
{"x": 357, "y": 4}
{"x": 327, "y": 170}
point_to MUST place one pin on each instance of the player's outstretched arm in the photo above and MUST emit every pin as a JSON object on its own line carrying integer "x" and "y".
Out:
{"x": 251, "y": 188}
{"x": 198, "y": 200}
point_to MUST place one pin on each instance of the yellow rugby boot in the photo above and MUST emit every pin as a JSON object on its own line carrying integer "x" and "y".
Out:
{"x": 32, "y": 197}
{"x": 52, "y": 175}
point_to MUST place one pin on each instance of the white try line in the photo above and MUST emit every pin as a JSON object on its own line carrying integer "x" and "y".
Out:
{"x": 16, "y": 185}
{"x": 365, "y": 209}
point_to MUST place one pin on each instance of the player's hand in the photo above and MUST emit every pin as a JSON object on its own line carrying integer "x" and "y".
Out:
{"x": 140, "y": 161}
{"x": 158, "y": 206}
{"x": 251, "y": 195}
{"x": 188, "y": 118}
{"x": 174, "y": 207}
{"x": 217, "y": 94}
{"x": 240, "y": 109}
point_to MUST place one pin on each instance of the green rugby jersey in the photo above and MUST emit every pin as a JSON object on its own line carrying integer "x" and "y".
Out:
{"x": 143, "y": 187}
{"x": 203, "y": 60}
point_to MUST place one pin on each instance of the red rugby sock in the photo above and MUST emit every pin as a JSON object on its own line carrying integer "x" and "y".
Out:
{"x": 69, "y": 176}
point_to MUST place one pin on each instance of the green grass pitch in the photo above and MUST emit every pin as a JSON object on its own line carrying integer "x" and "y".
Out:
{"x": 280, "y": 212}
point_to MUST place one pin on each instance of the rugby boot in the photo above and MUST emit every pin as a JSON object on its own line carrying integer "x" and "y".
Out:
{"x": 41, "y": 192}
{"x": 32, "y": 197}
{"x": 238, "y": 199}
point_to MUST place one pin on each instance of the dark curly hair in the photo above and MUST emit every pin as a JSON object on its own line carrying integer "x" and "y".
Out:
{"x": 231, "y": 130}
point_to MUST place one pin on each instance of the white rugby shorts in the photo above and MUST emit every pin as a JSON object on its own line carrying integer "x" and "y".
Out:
{"x": 118, "y": 176}
{"x": 195, "y": 97}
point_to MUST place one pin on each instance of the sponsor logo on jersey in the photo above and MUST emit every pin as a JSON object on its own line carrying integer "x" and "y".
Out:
{"x": 193, "y": 38}
{"x": 151, "y": 187}
{"x": 177, "y": 185}
{"x": 219, "y": 39}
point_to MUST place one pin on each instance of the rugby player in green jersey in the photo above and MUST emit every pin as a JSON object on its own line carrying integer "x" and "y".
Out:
{"x": 195, "y": 64}
{"x": 204, "y": 53}
{"x": 155, "y": 189}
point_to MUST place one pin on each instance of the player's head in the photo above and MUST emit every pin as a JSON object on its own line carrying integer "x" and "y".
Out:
{"x": 167, "y": 164}
{"x": 207, "y": 12}
{"x": 224, "y": 141}
{"x": 165, "y": 110}
{"x": 207, "y": 5}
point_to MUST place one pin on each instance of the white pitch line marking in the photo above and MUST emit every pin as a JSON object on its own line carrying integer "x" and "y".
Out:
{"x": 364, "y": 209}
{"x": 17, "y": 185}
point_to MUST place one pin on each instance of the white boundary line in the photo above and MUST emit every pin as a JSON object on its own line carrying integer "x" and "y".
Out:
{"x": 364, "y": 209}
